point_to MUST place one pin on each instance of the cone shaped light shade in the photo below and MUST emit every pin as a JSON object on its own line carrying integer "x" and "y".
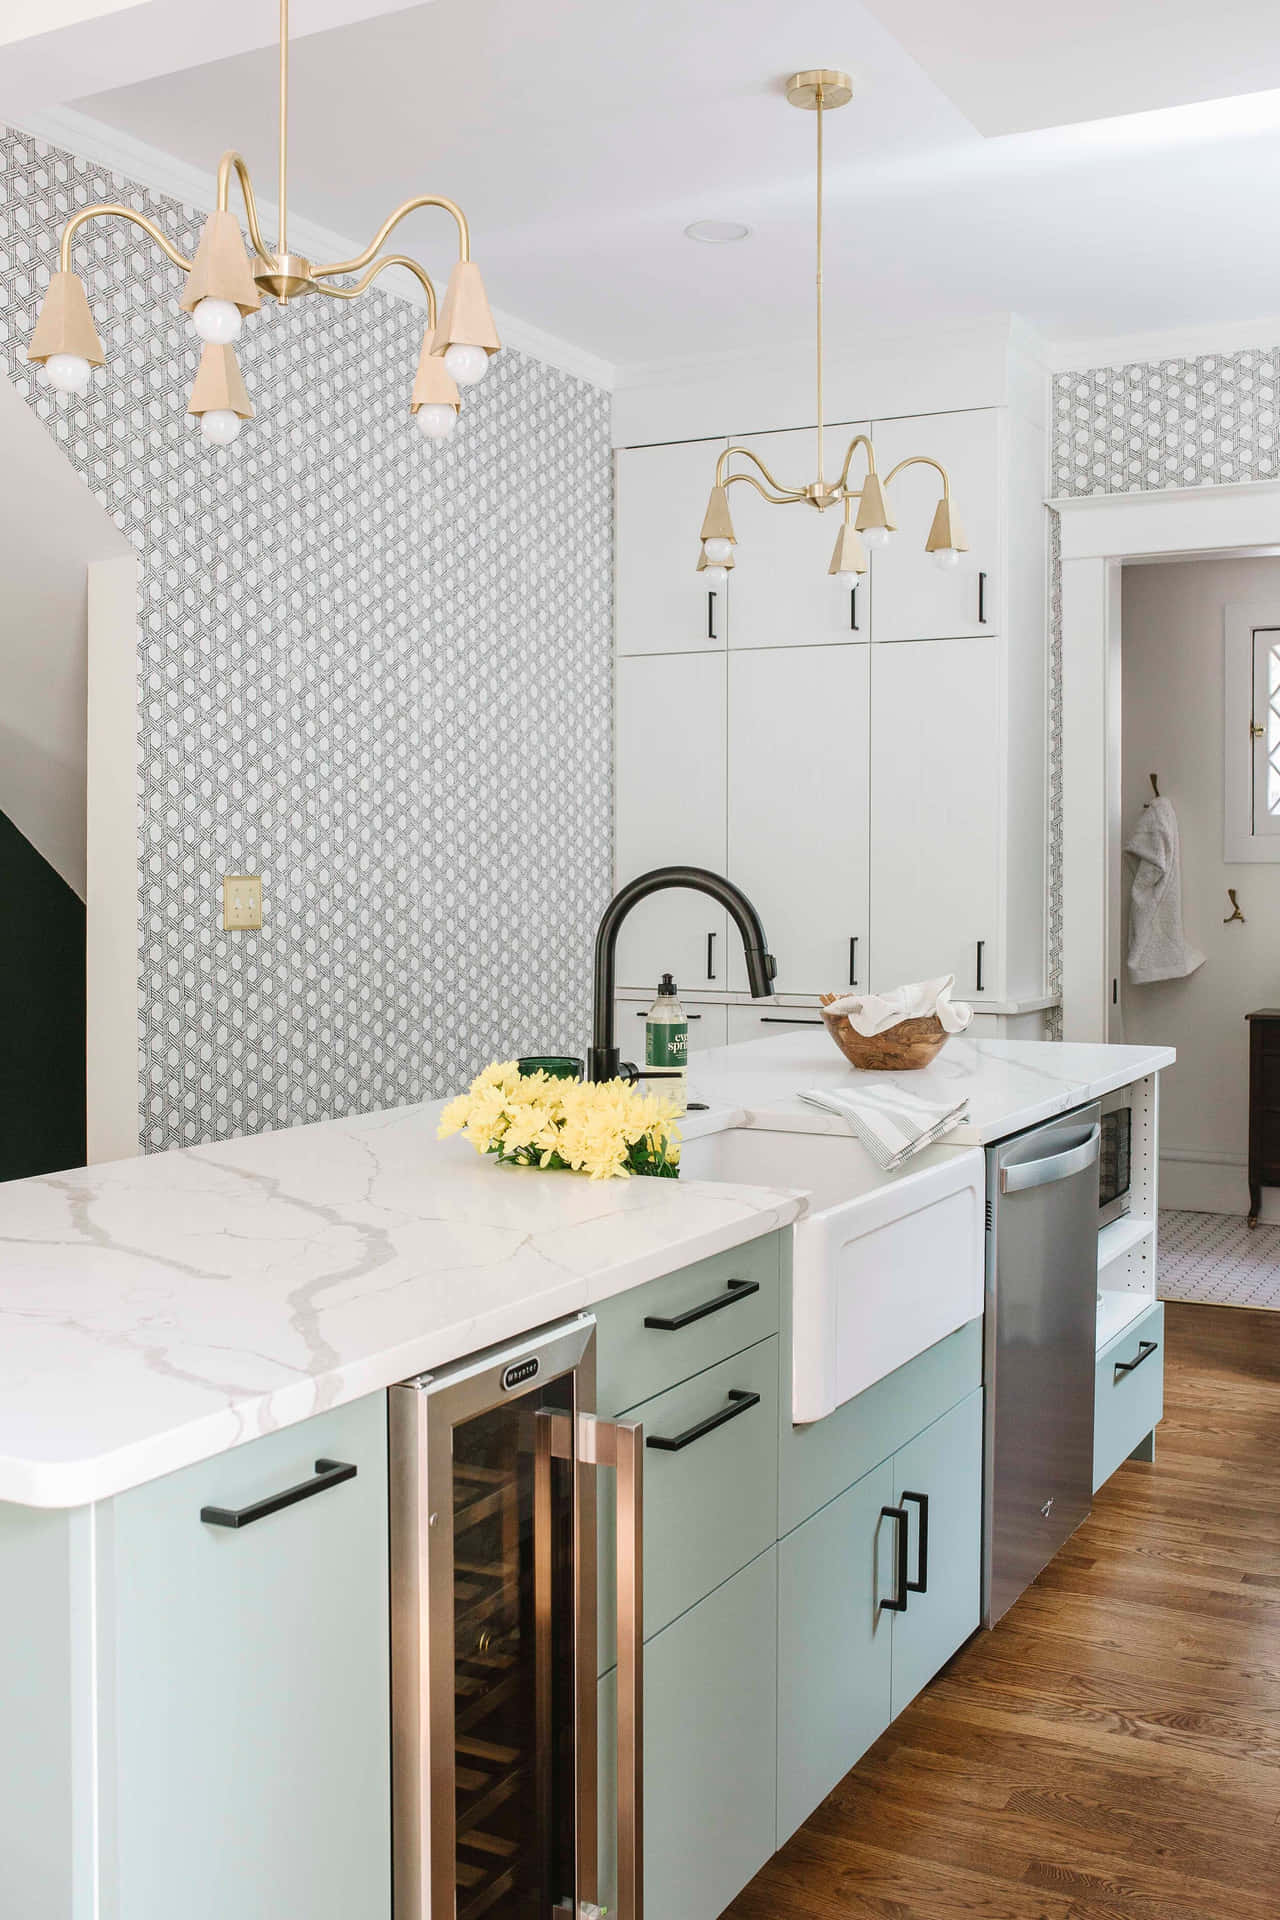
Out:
{"x": 717, "y": 524}
{"x": 849, "y": 555}
{"x": 220, "y": 270}
{"x": 219, "y": 387}
{"x": 434, "y": 385}
{"x": 65, "y": 324}
{"x": 946, "y": 534}
{"x": 873, "y": 508}
{"x": 465, "y": 319}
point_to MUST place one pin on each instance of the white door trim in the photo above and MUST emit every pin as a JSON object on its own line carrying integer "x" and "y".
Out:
{"x": 1099, "y": 532}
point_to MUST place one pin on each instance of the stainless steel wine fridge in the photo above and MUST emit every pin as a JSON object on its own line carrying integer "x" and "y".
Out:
{"x": 494, "y": 1465}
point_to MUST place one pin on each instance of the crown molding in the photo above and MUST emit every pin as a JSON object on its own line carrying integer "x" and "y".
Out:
{"x": 149, "y": 166}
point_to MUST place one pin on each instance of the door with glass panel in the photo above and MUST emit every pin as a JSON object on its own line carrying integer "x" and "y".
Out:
{"x": 493, "y": 1610}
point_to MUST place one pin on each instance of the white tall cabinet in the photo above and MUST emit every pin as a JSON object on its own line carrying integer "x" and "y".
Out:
{"x": 870, "y": 768}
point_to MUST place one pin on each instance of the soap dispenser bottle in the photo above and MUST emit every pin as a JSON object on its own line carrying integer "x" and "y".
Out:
{"x": 666, "y": 1044}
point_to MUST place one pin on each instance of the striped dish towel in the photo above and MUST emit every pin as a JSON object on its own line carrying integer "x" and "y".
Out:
{"x": 891, "y": 1123}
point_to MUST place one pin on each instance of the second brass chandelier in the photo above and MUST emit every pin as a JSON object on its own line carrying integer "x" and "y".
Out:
{"x": 818, "y": 90}
{"x": 223, "y": 286}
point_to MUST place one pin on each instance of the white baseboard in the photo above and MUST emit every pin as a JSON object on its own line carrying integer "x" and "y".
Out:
{"x": 1198, "y": 1183}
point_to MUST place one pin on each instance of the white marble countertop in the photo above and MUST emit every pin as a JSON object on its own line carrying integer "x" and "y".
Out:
{"x": 158, "y": 1311}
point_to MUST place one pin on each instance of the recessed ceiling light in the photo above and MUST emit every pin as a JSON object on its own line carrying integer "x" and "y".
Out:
{"x": 716, "y": 233}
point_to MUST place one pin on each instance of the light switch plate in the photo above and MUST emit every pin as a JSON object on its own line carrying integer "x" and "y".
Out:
{"x": 241, "y": 902}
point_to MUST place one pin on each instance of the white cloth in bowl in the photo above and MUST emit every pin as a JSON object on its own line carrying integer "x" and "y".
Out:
{"x": 872, "y": 1013}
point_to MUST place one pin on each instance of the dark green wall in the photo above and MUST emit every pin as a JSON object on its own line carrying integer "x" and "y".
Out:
{"x": 42, "y": 1014}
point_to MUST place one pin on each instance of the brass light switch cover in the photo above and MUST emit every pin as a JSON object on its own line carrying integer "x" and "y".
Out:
{"x": 241, "y": 902}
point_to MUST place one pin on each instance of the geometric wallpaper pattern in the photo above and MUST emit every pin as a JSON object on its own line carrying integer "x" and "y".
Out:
{"x": 375, "y": 669}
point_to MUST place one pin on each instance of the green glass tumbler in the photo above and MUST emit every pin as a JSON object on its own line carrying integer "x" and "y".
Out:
{"x": 559, "y": 1066}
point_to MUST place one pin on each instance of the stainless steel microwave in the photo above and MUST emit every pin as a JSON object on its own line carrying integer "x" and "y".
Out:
{"x": 1115, "y": 1155}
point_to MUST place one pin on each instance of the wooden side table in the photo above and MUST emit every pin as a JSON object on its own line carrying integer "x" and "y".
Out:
{"x": 1264, "y": 1105}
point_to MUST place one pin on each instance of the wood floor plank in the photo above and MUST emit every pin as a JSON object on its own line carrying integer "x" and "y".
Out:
{"x": 1112, "y": 1750}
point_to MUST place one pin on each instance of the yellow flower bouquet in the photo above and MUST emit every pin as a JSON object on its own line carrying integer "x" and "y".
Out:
{"x": 605, "y": 1129}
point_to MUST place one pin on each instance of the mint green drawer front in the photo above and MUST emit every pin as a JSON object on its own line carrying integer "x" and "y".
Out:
{"x": 710, "y": 1740}
{"x": 819, "y": 1461}
{"x": 710, "y": 1507}
{"x": 1126, "y": 1406}
{"x": 635, "y": 1361}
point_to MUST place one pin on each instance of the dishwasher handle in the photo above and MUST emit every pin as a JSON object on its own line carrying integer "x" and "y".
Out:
{"x": 1055, "y": 1166}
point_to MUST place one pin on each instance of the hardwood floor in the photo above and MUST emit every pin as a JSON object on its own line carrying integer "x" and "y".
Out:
{"x": 1112, "y": 1750}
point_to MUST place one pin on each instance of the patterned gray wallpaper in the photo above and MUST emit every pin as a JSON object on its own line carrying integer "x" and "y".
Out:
{"x": 375, "y": 669}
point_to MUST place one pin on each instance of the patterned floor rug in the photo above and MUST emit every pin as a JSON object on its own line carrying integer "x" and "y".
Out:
{"x": 1215, "y": 1259}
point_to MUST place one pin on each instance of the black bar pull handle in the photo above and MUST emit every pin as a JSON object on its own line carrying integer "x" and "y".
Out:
{"x": 711, "y": 956}
{"x": 740, "y": 1401}
{"x": 644, "y": 1015}
{"x": 781, "y": 1020}
{"x": 853, "y": 960}
{"x": 737, "y": 1290}
{"x": 921, "y": 1582}
{"x": 329, "y": 1473}
{"x": 711, "y": 614}
{"x": 978, "y": 971}
{"x": 901, "y": 1585}
{"x": 853, "y": 608}
{"x": 982, "y": 599}
{"x": 1145, "y": 1350}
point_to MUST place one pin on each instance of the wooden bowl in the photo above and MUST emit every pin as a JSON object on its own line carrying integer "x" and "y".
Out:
{"x": 912, "y": 1043}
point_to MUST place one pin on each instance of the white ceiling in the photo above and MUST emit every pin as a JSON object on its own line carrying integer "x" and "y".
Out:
{"x": 583, "y": 138}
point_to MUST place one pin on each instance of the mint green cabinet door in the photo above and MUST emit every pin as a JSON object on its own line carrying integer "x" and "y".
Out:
{"x": 834, "y": 1644}
{"x": 710, "y": 1741}
{"x": 937, "y": 1482}
{"x": 246, "y": 1677}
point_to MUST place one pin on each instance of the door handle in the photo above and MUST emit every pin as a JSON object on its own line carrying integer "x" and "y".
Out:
{"x": 711, "y": 956}
{"x": 329, "y": 1473}
{"x": 921, "y": 1582}
{"x": 737, "y": 1290}
{"x": 1145, "y": 1350}
{"x": 618, "y": 1444}
{"x": 853, "y": 609}
{"x": 780, "y": 1020}
{"x": 711, "y": 614}
{"x": 739, "y": 1402}
{"x": 1055, "y": 1166}
{"x": 853, "y": 960}
{"x": 978, "y": 970}
{"x": 982, "y": 599}
{"x": 901, "y": 1585}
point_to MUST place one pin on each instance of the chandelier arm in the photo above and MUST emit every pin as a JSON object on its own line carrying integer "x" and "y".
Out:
{"x": 393, "y": 220}
{"x": 388, "y": 260}
{"x": 859, "y": 440}
{"x": 786, "y": 499}
{"x": 922, "y": 460}
{"x": 233, "y": 162}
{"x": 149, "y": 227}
{"x": 786, "y": 493}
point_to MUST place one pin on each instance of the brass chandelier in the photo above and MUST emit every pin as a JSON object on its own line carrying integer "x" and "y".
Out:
{"x": 223, "y": 285}
{"x": 818, "y": 90}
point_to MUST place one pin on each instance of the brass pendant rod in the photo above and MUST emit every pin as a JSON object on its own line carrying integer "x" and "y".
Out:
{"x": 283, "y": 245}
{"x": 149, "y": 227}
{"x": 819, "y": 286}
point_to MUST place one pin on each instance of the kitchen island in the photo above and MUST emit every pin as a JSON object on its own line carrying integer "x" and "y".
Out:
{"x": 200, "y": 1329}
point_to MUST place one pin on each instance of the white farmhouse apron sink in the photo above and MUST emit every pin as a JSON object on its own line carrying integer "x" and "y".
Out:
{"x": 884, "y": 1265}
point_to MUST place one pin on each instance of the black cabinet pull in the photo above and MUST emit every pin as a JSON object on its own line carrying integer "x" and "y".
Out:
{"x": 1145, "y": 1350}
{"x": 643, "y": 1015}
{"x": 982, "y": 599}
{"x": 329, "y": 1473}
{"x": 739, "y": 1402}
{"x": 853, "y": 960}
{"x": 780, "y": 1020}
{"x": 853, "y": 609}
{"x": 737, "y": 1290}
{"x": 979, "y": 969}
{"x": 711, "y": 956}
{"x": 921, "y": 1582}
{"x": 711, "y": 614}
{"x": 901, "y": 1585}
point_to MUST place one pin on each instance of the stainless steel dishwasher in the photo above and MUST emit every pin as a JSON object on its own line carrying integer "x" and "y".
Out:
{"x": 1041, "y": 1319}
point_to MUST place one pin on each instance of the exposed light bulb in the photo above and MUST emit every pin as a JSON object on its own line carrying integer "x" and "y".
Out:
{"x": 466, "y": 364}
{"x": 847, "y": 576}
{"x": 718, "y": 552}
{"x": 435, "y": 421}
{"x": 68, "y": 372}
{"x": 217, "y": 321}
{"x": 875, "y": 537}
{"x": 715, "y": 576}
{"x": 944, "y": 558}
{"x": 220, "y": 426}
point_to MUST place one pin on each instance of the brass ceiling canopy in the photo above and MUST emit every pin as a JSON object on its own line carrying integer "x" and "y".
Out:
{"x": 819, "y": 90}
{"x": 224, "y": 285}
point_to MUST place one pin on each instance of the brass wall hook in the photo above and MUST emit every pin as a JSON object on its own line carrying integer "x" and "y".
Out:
{"x": 1235, "y": 913}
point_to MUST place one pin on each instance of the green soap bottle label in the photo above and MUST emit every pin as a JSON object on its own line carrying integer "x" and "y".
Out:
{"x": 666, "y": 1044}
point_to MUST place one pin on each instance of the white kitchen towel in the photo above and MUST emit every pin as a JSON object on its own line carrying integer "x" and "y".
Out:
{"x": 871, "y": 1013}
{"x": 891, "y": 1123}
{"x": 1158, "y": 948}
